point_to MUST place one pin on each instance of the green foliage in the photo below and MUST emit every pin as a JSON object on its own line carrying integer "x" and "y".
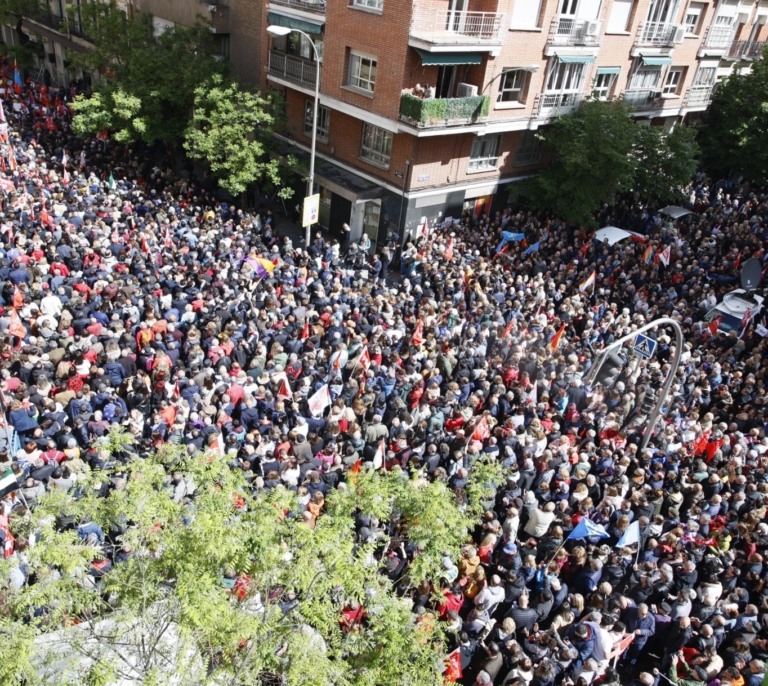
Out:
{"x": 599, "y": 150}
{"x": 165, "y": 613}
{"x": 228, "y": 130}
{"x": 23, "y": 50}
{"x": 148, "y": 82}
{"x": 437, "y": 110}
{"x": 665, "y": 162}
{"x": 733, "y": 139}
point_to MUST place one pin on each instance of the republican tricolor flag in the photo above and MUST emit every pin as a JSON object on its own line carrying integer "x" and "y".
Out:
{"x": 589, "y": 282}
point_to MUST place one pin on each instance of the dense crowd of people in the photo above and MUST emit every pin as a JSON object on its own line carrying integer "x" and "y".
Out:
{"x": 132, "y": 297}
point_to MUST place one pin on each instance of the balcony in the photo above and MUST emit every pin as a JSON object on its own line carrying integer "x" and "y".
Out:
{"x": 719, "y": 38}
{"x": 439, "y": 112}
{"x": 643, "y": 99}
{"x": 553, "y": 104}
{"x": 698, "y": 97}
{"x": 292, "y": 69}
{"x": 445, "y": 27}
{"x": 753, "y": 50}
{"x": 571, "y": 31}
{"x": 656, "y": 34}
{"x": 306, "y": 5}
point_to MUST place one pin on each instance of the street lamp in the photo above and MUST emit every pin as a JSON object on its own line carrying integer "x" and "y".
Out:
{"x": 284, "y": 31}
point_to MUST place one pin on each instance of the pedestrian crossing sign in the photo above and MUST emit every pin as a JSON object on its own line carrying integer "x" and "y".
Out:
{"x": 645, "y": 346}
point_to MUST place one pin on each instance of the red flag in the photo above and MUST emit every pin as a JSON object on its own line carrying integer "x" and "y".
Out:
{"x": 738, "y": 261}
{"x": 418, "y": 334}
{"x": 555, "y": 342}
{"x": 305, "y": 330}
{"x": 16, "y": 328}
{"x": 745, "y": 319}
{"x": 103, "y": 136}
{"x": 168, "y": 242}
{"x": 453, "y": 670}
{"x": 9, "y": 539}
{"x": 285, "y": 391}
{"x": 714, "y": 325}
{"x": 50, "y": 124}
{"x": 176, "y": 390}
{"x": 144, "y": 245}
{"x": 365, "y": 359}
{"x": 701, "y": 443}
{"x": 449, "y": 250}
{"x": 18, "y": 298}
{"x": 482, "y": 430}
{"x": 508, "y": 328}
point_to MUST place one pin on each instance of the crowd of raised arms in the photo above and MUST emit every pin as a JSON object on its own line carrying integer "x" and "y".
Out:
{"x": 132, "y": 297}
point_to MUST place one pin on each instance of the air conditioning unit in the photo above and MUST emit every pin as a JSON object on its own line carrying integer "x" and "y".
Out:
{"x": 591, "y": 28}
{"x": 466, "y": 90}
{"x": 679, "y": 35}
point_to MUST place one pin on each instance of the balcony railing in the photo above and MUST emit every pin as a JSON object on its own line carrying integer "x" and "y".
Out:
{"x": 550, "y": 104}
{"x": 642, "y": 99}
{"x": 307, "y": 5}
{"x": 456, "y": 28}
{"x": 571, "y": 31}
{"x": 736, "y": 49}
{"x": 753, "y": 49}
{"x": 698, "y": 96}
{"x": 292, "y": 69}
{"x": 656, "y": 33}
{"x": 429, "y": 113}
{"x": 719, "y": 37}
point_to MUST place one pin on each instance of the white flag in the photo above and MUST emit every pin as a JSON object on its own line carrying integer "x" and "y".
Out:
{"x": 532, "y": 396}
{"x": 378, "y": 458}
{"x": 664, "y": 256}
{"x": 319, "y": 401}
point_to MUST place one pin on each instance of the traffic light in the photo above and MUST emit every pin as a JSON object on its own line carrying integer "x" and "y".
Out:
{"x": 610, "y": 369}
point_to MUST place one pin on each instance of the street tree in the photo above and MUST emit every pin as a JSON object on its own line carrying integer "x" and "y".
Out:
{"x": 160, "y": 73}
{"x": 222, "y": 586}
{"x": 591, "y": 161}
{"x": 665, "y": 163}
{"x": 230, "y": 131}
{"x": 733, "y": 136}
{"x": 24, "y": 50}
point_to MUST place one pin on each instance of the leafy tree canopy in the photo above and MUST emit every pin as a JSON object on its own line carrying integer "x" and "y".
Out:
{"x": 202, "y": 592}
{"x": 599, "y": 150}
{"x": 155, "y": 75}
{"x": 227, "y": 131}
{"x": 734, "y": 136}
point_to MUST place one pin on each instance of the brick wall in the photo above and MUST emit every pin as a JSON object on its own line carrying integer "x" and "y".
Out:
{"x": 248, "y": 23}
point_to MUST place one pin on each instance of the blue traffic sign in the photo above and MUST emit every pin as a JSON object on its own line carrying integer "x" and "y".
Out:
{"x": 645, "y": 346}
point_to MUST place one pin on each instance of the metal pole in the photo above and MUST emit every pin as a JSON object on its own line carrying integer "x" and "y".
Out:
{"x": 311, "y": 181}
{"x": 654, "y": 416}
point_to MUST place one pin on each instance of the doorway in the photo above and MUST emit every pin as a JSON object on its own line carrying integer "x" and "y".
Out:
{"x": 371, "y": 216}
{"x": 446, "y": 78}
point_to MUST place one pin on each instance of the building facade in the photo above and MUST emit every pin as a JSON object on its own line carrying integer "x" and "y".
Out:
{"x": 430, "y": 108}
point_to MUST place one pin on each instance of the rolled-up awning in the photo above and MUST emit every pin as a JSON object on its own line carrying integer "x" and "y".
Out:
{"x": 291, "y": 22}
{"x": 576, "y": 59}
{"x": 449, "y": 58}
{"x": 609, "y": 70}
{"x": 656, "y": 60}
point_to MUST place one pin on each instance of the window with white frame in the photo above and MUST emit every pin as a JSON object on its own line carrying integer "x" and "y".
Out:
{"x": 565, "y": 77}
{"x": 512, "y": 86}
{"x": 376, "y": 146}
{"x": 323, "y": 120}
{"x": 673, "y": 81}
{"x": 693, "y": 18}
{"x": 705, "y": 76}
{"x": 529, "y": 150}
{"x": 362, "y": 71}
{"x": 646, "y": 78}
{"x": 525, "y": 14}
{"x": 369, "y": 4}
{"x": 603, "y": 86}
{"x": 485, "y": 153}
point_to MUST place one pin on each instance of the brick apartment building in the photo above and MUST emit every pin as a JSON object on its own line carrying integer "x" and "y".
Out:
{"x": 500, "y": 69}
{"x": 389, "y": 160}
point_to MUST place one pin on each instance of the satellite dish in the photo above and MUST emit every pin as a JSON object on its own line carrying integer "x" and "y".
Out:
{"x": 750, "y": 274}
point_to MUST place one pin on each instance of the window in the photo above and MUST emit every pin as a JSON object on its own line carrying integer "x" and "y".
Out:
{"x": 692, "y": 18}
{"x": 618, "y": 22}
{"x": 362, "y": 71}
{"x": 601, "y": 90}
{"x": 674, "y": 79}
{"x": 376, "y": 146}
{"x": 323, "y": 120}
{"x": 485, "y": 153}
{"x": 705, "y": 76}
{"x": 529, "y": 150}
{"x": 511, "y": 86}
{"x": 565, "y": 77}
{"x": 369, "y": 4}
{"x": 646, "y": 78}
{"x": 525, "y": 14}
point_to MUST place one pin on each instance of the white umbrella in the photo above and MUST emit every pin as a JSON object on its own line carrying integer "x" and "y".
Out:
{"x": 675, "y": 212}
